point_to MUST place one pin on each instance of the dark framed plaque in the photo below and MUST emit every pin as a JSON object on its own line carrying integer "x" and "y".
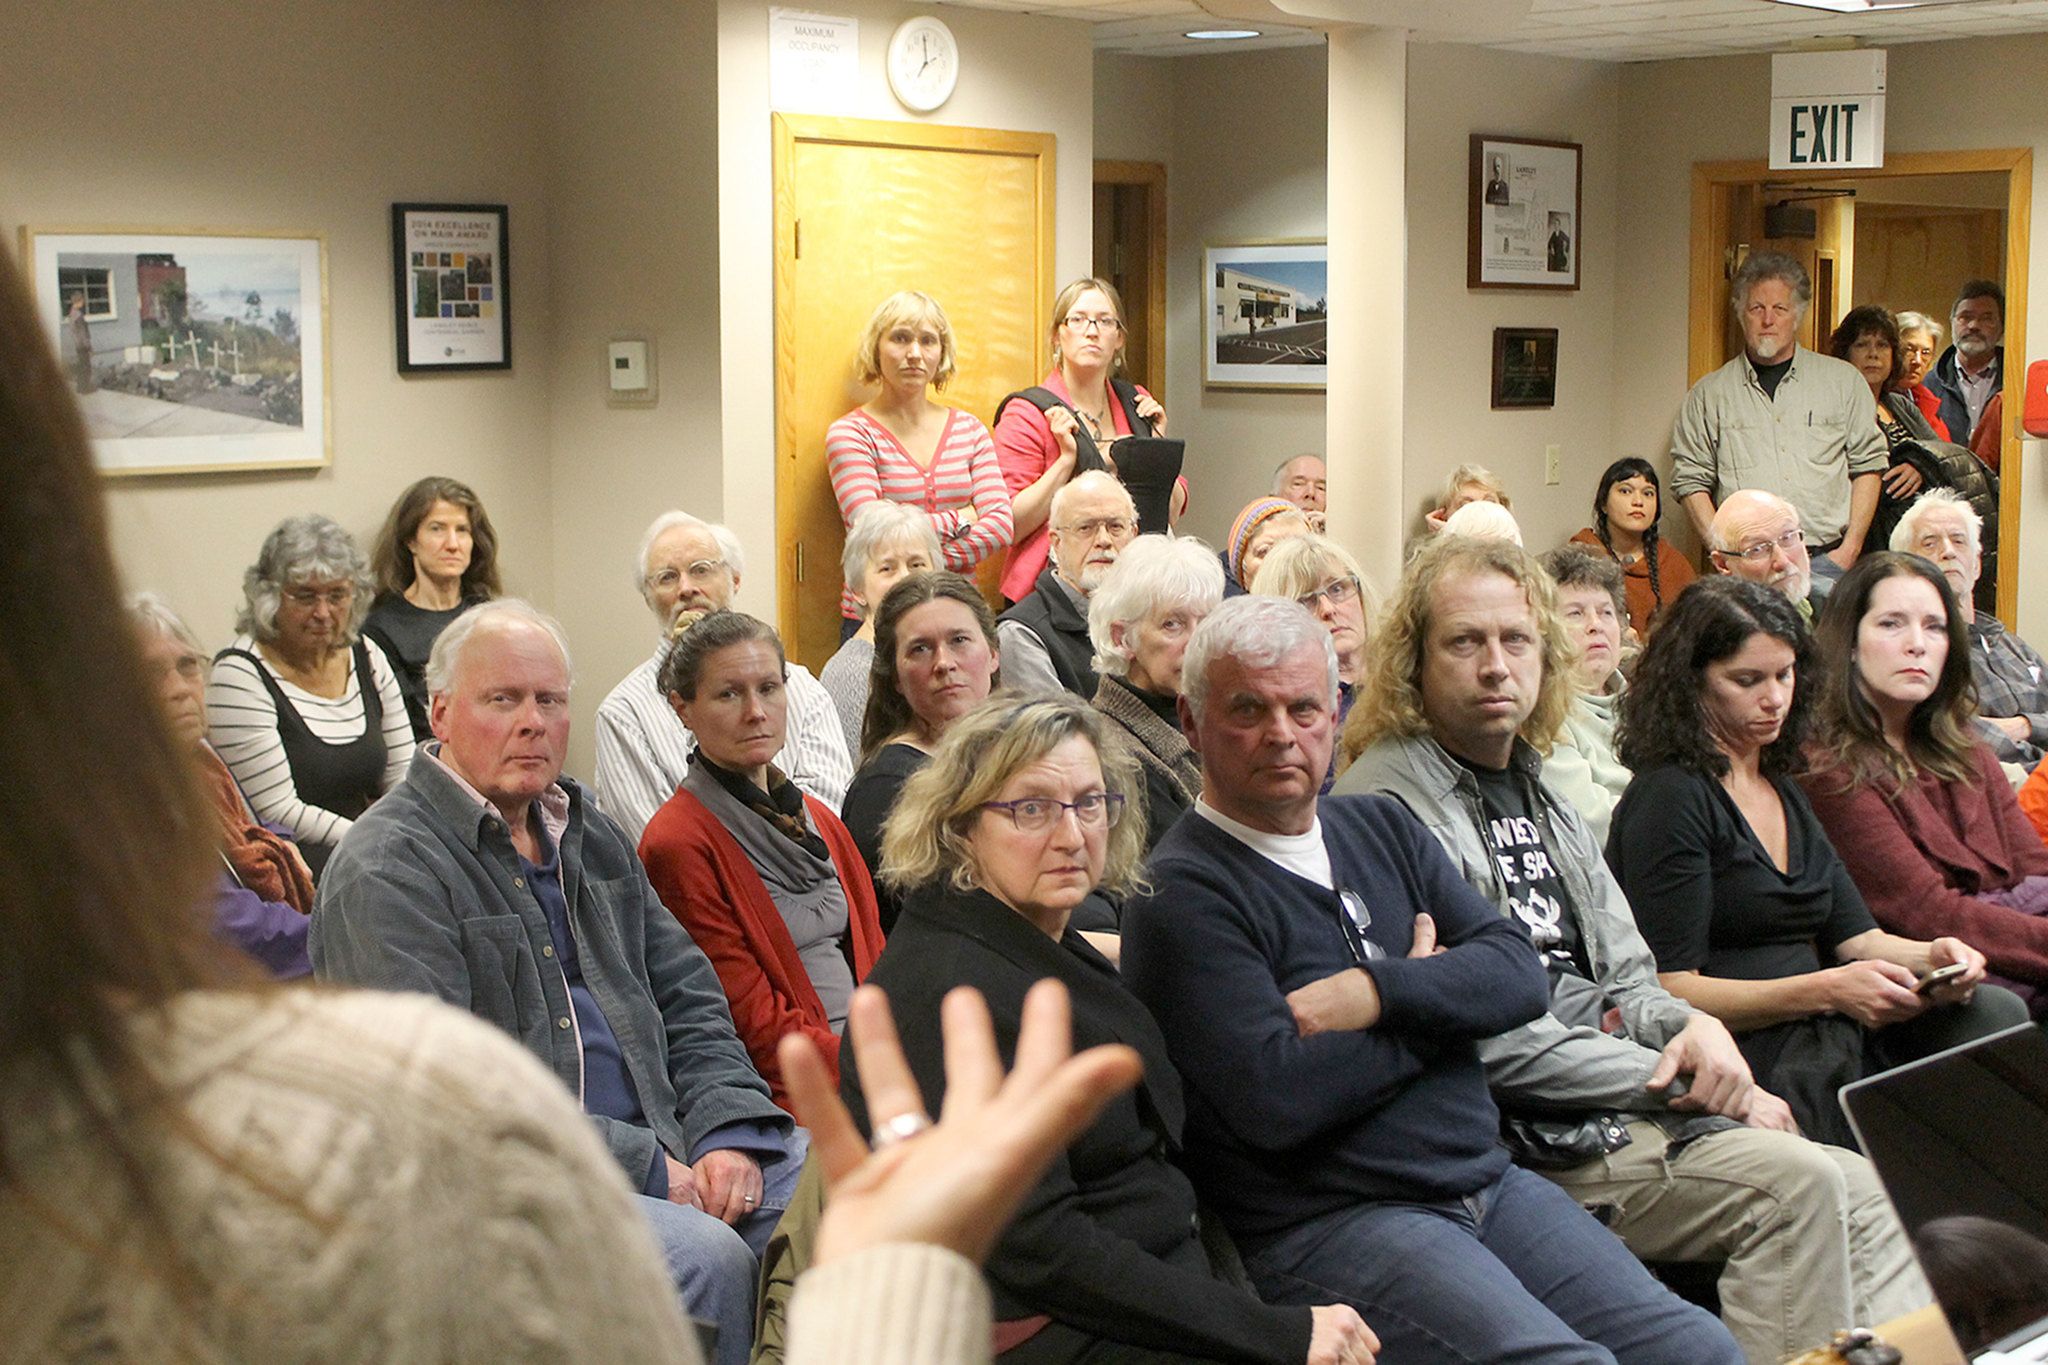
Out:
{"x": 1524, "y": 367}
{"x": 451, "y": 277}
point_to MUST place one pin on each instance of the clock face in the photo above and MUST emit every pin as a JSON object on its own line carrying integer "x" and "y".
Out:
{"x": 924, "y": 63}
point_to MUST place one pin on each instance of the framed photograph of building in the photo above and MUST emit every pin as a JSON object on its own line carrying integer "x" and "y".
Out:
{"x": 1525, "y": 367}
{"x": 451, "y": 286}
{"x": 191, "y": 351}
{"x": 1267, "y": 315}
{"x": 1526, "y": 199}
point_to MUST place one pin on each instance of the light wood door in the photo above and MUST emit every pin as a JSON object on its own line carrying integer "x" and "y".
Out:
{"x": 862, "y": 209}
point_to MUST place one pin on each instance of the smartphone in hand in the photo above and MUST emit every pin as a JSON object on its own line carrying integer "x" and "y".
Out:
{"x": 1939, "y": 976}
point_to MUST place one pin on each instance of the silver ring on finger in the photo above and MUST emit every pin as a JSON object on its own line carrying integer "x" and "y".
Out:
{"x": 902, "y": 1128}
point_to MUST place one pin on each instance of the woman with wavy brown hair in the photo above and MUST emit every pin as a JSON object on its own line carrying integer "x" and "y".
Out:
{"x": 1917, "y": 805}
{"x": 436, "y": 557}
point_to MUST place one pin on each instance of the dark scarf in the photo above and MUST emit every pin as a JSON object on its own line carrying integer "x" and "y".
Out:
{"x": 782, "y": 805}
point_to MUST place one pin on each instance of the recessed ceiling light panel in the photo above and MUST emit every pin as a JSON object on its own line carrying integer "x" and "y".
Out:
{"x": 1220, "y": 35}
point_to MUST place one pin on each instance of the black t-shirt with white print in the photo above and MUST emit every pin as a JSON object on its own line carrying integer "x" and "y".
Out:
{"x": 1514, "y": 835}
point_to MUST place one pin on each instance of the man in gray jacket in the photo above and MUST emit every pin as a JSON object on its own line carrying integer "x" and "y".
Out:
{"x": 1640, "y": 1107}
{"x": 488, "y": 879}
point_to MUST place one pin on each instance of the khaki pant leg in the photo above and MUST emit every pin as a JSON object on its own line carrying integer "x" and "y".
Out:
{"x": 1810, "y": 1242}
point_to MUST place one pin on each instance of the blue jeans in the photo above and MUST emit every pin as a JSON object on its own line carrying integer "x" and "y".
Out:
{"x": 1516, "y": 1272}
{"x": 715, "y": 1266}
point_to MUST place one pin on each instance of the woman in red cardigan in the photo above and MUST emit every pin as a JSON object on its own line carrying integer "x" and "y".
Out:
{"x": 765, "y": 878}
{"x": 1917, "y": 807}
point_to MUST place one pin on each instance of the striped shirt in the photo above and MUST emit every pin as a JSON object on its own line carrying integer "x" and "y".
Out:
{"x": 868, "y": 463}
{"x": 242, "y": 727}
{"x": 643, "y": 747}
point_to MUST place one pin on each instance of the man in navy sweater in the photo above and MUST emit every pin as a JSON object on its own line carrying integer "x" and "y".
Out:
{"x": 1627, "y": 1098}
{"x": 1322, "y": 975}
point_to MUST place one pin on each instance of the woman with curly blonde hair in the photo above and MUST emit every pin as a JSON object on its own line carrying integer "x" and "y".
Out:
{"x": 1024, "y": 810}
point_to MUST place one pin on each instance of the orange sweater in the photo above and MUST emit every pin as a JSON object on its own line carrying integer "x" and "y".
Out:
{"x": 709, "y": 884}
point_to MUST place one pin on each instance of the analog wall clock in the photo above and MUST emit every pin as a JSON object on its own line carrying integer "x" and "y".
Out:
{"x": 924, "y": 63}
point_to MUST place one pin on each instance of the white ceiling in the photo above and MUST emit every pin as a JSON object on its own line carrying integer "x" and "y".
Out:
{"x": 1611, "y": 30}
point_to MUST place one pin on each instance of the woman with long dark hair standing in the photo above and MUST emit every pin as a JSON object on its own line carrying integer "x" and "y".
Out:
{"x": 1626, "y": 509}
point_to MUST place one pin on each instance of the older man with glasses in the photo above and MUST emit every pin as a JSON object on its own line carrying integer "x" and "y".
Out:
{"x": 1044, "y": 638}
{"x": 686, "y": 568}
{"x": 1756, "y": 535}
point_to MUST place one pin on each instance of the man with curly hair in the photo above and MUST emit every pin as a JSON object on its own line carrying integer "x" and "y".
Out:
{"x": 1638, "y": 1106}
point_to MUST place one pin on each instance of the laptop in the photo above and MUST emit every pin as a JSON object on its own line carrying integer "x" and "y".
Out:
{"x": 1958, "y": 1140}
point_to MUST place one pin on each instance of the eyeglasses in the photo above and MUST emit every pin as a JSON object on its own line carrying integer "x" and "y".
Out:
{"x": 308, "y": 598}
{"x": 1080, "y": 322}
{"x": 1118, "y": 528}
{"x": 1355, "y": 920}
{"x": 1036, "y": 814}
{"x": 1761, "y": 551}
{"x": 702, "y": 571}
{"x": 1337, "y": 590}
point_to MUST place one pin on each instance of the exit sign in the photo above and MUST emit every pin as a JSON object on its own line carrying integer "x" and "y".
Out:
{"x": 1827, "y": 110}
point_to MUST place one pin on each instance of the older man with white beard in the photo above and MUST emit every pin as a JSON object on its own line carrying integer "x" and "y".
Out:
{"x": 1756, "y": 535}
{"x": 685, "y": 565}
{"x": 1784, "y": 419}
{"x": 2012, "y": 677}
{"x": 1044, "y": 637}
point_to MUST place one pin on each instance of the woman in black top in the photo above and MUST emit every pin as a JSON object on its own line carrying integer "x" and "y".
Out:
{"x": 436, "y": 557}
{"x": 1020, "y": 813}
{"x": 1752, "y": 917}
{"x": 935, "y": 660}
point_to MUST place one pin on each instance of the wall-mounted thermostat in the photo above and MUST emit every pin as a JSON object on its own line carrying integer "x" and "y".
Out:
{"x": 629, "y": 372}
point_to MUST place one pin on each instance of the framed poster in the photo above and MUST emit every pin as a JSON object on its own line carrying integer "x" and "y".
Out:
{"x": 1524, "y": 367}
{"x": 1268, "y": 314}
{"x": 1524, "y": 226}
{"x": 190, "y": 350}
{"x": 451, "y": 279}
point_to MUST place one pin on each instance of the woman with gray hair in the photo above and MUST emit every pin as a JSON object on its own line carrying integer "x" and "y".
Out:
{"x": 887, "y": 542}
{"x": 1140, "y": 621}
{"x": 1919, "y": 344}
{"x": 265, "y": 889}
{"x": 306, "y": 713}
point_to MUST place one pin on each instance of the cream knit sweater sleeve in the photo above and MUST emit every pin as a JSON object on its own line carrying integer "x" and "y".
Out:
{"x": 390, "y": 1180}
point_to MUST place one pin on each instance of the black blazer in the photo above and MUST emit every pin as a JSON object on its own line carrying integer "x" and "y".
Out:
{"x": 1106, "y": 1244}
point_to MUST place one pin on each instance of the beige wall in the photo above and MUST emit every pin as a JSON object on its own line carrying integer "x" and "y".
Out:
{"x": 1454, "y": 92}
{"x": 1662, "y": 133}
{"x": 631, "y": 98}
{"x": 1247, "y": 163}
{"x": 1017, "y": 72}
{"x": 317, "y": 118}
{"x": 1244, "y": 137}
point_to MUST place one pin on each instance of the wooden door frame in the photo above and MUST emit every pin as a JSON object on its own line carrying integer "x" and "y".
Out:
{"x": 791, "y": 129}
{"x": 1152, "y": 175}
{"x": 1709, "y": 224}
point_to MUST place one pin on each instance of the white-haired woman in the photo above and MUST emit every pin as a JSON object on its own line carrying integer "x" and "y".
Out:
{"x": 1321, "y": 575}
{"x": 1919, "y": 344}
{"x": 1140, "y": 621}
{"x": 902, "y": 446}
{"x": 265, "y": 891}
{"x": 306, "y": 713}
{"x": 885, "y": 543}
